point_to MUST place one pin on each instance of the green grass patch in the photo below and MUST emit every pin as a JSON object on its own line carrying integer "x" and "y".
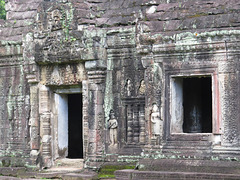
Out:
{"x": 107, "y": 171}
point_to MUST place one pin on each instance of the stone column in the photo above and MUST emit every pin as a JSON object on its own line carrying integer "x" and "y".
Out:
{"x": 34, "y": 118}
{"x": 96, "y": 86}
{"x": 32, "y": 71}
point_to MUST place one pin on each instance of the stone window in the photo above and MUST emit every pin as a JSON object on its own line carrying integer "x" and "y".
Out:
{"x": 191, "y": 104}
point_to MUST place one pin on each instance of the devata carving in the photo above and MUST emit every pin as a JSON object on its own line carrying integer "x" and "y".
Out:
{"x": 128, "y": 87}
{"x": 156, "y": 121}
{"x": 56, "y": 17}
{"x": 142, "y": 88}
{"x": 112, "y": 126}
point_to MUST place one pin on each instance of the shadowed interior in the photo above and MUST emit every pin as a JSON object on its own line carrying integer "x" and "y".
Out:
{"x": 75, "y": 140}
{"x": 197, "y": 105}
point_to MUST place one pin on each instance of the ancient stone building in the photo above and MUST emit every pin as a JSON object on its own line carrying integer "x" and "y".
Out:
{"x": 119, "y": 81}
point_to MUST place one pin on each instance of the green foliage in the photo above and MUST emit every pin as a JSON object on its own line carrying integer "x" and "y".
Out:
{"x": 2, "y": 9}
{"x": 107, "y": 171}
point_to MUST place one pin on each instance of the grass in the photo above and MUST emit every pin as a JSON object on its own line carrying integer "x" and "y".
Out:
{"x": 107, "y": 171}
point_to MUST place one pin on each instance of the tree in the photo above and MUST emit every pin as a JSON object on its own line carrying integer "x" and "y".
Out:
{"x": 2, "y": 9}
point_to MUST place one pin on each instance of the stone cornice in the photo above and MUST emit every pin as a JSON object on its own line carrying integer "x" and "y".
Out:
{"x": 216, "y": 47}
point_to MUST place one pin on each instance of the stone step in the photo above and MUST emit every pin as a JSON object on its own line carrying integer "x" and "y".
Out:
{"x": 65, "y": 162}
{"x": 80, "y": 176}
{"x": 151, "y": 175}
{"x": 62, "y": 173}
{"x": 188, "y": 165}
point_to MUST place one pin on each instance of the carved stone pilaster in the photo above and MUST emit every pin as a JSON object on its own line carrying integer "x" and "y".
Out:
{"x": 46, "y": 139}
{"x": 33, "y": 123}
{"x": 45, "y": 126}
{"x": 95, "y": 112}
{"x": 97, "y": 76}
{"x": 85, "y": 117}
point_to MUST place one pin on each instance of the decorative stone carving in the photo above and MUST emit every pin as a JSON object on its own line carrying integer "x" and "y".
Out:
{"x": 128, "y": 87}
{"x": 156, "y": 121}
{"x": 112, "y": 126}
{"x": 96, "y": 78}
{"x": 67, "y": 74}
{"x": 135, "y": 118}
{"x": 142, "y": 88}
{"x": 56, "y": 23}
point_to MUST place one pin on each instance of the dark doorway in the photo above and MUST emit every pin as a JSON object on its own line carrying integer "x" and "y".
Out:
{"x": 197, "y": 105}
{"x": 75, "y": 139}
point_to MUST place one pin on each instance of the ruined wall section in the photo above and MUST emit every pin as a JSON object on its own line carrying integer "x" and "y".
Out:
{"x": 15, "y": 90}
{"x": 20, "y": 17}
{"x": 15, "y": 106}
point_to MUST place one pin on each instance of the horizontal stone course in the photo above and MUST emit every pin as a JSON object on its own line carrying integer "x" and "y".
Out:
{"x": 146, "y": 175}
{"x": 20, "y": 15}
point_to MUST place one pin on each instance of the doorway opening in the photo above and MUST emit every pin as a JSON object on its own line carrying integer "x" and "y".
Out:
{"x": 191, "y": 104}
{"x": 70, "y": 138}
{"x": 75, "y": 139}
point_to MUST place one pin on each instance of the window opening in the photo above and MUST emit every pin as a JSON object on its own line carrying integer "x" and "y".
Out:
{"x": 192, "y": 104}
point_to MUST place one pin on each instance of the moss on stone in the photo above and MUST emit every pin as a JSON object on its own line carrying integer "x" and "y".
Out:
{"x": 198, "y": 15}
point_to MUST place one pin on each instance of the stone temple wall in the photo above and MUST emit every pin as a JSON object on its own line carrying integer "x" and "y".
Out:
{"x": 15, "y": 90}
{"x": 125, "y": 56}
{"x": 198, "y": 36}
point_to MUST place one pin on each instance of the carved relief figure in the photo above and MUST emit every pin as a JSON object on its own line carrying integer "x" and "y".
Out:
{"x": 156, "y": 121}
{"x": 112, "y": 126}
{"x": 142, "y": 88}
{"x": 56, "y": 16}
{"x": 128, "y": 87}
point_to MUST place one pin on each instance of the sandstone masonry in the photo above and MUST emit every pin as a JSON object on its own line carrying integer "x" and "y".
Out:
{"x": 168, "y": 70}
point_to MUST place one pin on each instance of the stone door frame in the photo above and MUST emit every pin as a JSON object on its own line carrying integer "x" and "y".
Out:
{"x": 48, "y": 136}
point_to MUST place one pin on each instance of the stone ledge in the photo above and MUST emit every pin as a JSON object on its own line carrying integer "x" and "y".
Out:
{"x": 148, "y": 175}
{"x": 197, "y": 166}
{"x": 23, "y": 173}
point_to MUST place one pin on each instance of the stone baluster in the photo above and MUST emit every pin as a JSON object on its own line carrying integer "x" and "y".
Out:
{"x": 142, "y": 124}
{"x": 135, "y": 124}
{"x": 129, "y": 124}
